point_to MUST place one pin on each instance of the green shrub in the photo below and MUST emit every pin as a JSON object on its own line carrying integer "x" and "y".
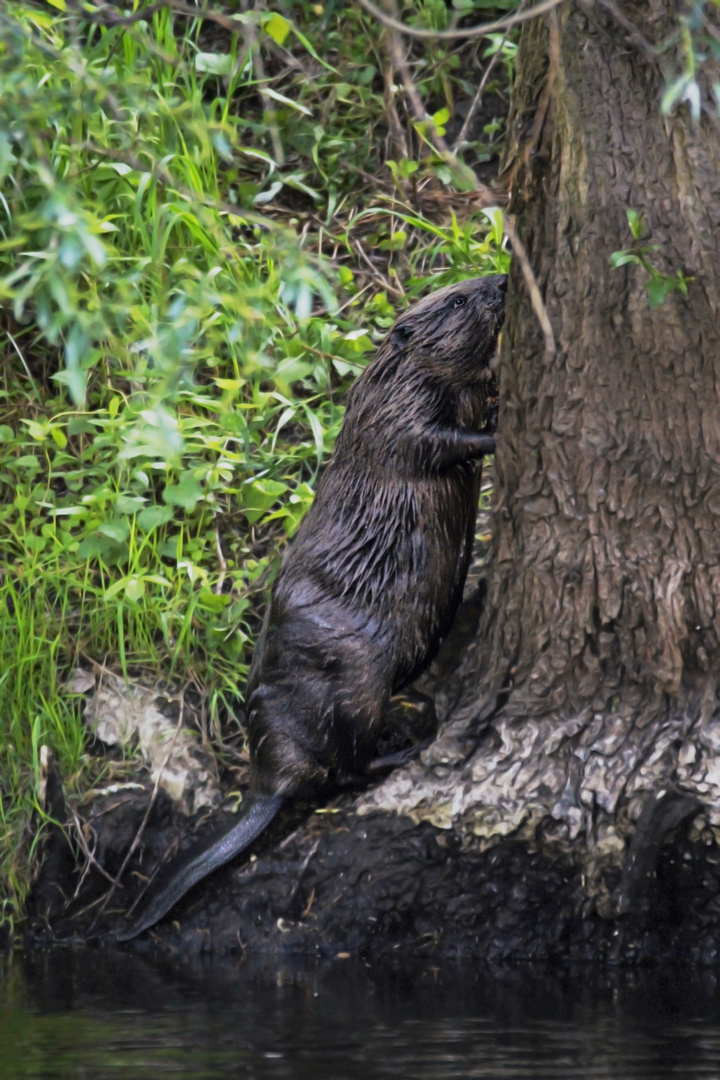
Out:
{"x": 184, "y": 297}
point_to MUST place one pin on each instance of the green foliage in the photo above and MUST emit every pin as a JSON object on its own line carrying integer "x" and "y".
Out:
{"x": 694, "y": 41}
{"x": 659, "y": 285}
{"x": 199, "y": 247}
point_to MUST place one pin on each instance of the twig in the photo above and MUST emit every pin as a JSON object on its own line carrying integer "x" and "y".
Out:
{"x": 476, "y": 100}
{"x": 109, "y": 16}
{"x": 221, "y": 560}
{"x": 421, "y": 115}
{"x": 396, "y": 131}
{"x": 168, "y": 854}
{"x": 268, "y": 105}
{"x": 536, "y": 300}
{"x": 88, "y": 907}
{"x": 15, "y": 346}
{"x": 138, "y": 835}
{"x": 634, "y": 35}
{"x": 89, "y": 856}
{"x": 303, "y": 868}
{"x": 375, "y": 272}
{"x": 463, "y": 32}
{"x": 531, "y": 284}
{"x": 480, "y": 90}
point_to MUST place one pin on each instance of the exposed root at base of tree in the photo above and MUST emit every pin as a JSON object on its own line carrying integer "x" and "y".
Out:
{"x": 323, "y": 883}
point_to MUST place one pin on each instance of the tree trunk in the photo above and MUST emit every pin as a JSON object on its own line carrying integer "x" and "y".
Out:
{"x": 587, "y": 726}
{"x": 593, "y": 684}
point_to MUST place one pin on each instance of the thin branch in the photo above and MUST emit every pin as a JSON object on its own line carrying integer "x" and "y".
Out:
{"x": 536, "y": 300}
{"x": 109, "y": 16}
{"x": 646, "y": 47}
{"x": 299, "y": 875}
{"x": 267, "y": 101}
{"x": 477, "y": 99}
{"x": 480, "y": 90}
{"x": 222, "y": 562}
{"x": 377, "y": 275}
{"x": 89, "y": 855}
{"x": 465, "y": 32}
{"x": 167, "y": 855}
{"x": 531, "y": 284}
{"x": 148, "y": 811}
{"x": 421, "y": 114}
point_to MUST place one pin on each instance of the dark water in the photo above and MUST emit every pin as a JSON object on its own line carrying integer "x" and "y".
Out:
{"x": 90, "y": 1016}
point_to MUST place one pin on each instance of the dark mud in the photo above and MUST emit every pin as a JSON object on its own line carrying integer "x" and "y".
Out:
{"x": 329, "y": 883}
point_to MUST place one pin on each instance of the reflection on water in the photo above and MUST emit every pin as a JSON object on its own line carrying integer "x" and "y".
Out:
{"x": 93, "y": 1015}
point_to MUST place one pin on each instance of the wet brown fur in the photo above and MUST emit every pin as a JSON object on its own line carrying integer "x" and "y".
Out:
{"x": 372, "y": 580}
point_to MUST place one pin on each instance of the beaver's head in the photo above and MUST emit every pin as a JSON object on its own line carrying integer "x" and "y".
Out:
{"x": 453, "y": 332}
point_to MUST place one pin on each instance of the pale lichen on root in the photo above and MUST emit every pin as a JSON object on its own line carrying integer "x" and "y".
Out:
{"x": 576, "y": 788}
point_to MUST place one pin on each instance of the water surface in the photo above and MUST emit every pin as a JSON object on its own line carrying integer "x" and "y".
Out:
{"x": 92, "y": 1015}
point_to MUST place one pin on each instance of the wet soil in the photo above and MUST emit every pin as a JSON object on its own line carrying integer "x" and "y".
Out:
{"x": 333, "y": 882}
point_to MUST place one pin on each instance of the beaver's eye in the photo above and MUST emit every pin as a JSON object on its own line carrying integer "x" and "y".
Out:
{"x": 458, "y": 301}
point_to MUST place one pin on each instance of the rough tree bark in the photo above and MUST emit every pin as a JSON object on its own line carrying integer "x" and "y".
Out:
{"x": 593, "y": 685}
{"x": 586, "y": 725}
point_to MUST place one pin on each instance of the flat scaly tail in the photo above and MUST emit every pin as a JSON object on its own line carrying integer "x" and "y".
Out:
{"x": 259, "y": 812}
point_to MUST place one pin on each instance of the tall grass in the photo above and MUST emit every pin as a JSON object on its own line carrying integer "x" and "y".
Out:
{"x": 199, "y": 247}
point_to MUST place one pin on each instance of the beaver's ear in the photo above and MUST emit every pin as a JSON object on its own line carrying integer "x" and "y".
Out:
{"x": 402, "y": 333}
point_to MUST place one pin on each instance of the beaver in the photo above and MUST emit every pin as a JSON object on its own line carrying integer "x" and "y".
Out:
{"x": 371, "y": 581}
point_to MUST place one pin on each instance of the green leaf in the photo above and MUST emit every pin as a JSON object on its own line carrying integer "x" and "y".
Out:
{"x": 127, "y": 504}
{"x": 636, "y": 223}
{"x": 440, "y": 118}
{"x": 359, "y": 340}
{"x": 135, "y": 588}
{"x": 658, "y": 288}
{"x": 39, "y": 431}
{"x": 464, "y": 178}
{"x": 118, "y": 529}
{"x": 187, "y": 493}
{"x": 295, "y": 180}
{"x": 318, "y": 433}
{"x": 28, "y": 462}
{"x": 115, "y": 588}
{"x": 623, "y": 258}
{"x": 98, "y": 547}
{"x": 259, "y": 496}
{"x": 395, "y": 242}
{"x": 675, "y": 92}
{"x": 304, "y": 41}
{"x": 214, "y": 63}
{"x": 277, "y": 27}
{"x": 153, "y": 516}
{"x": 493, "y": 215}
{"x": 276, "y": 96}
{"x": 212, "y": 601}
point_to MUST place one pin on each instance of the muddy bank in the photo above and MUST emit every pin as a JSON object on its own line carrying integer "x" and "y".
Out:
{"x": 335, "y": 882}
